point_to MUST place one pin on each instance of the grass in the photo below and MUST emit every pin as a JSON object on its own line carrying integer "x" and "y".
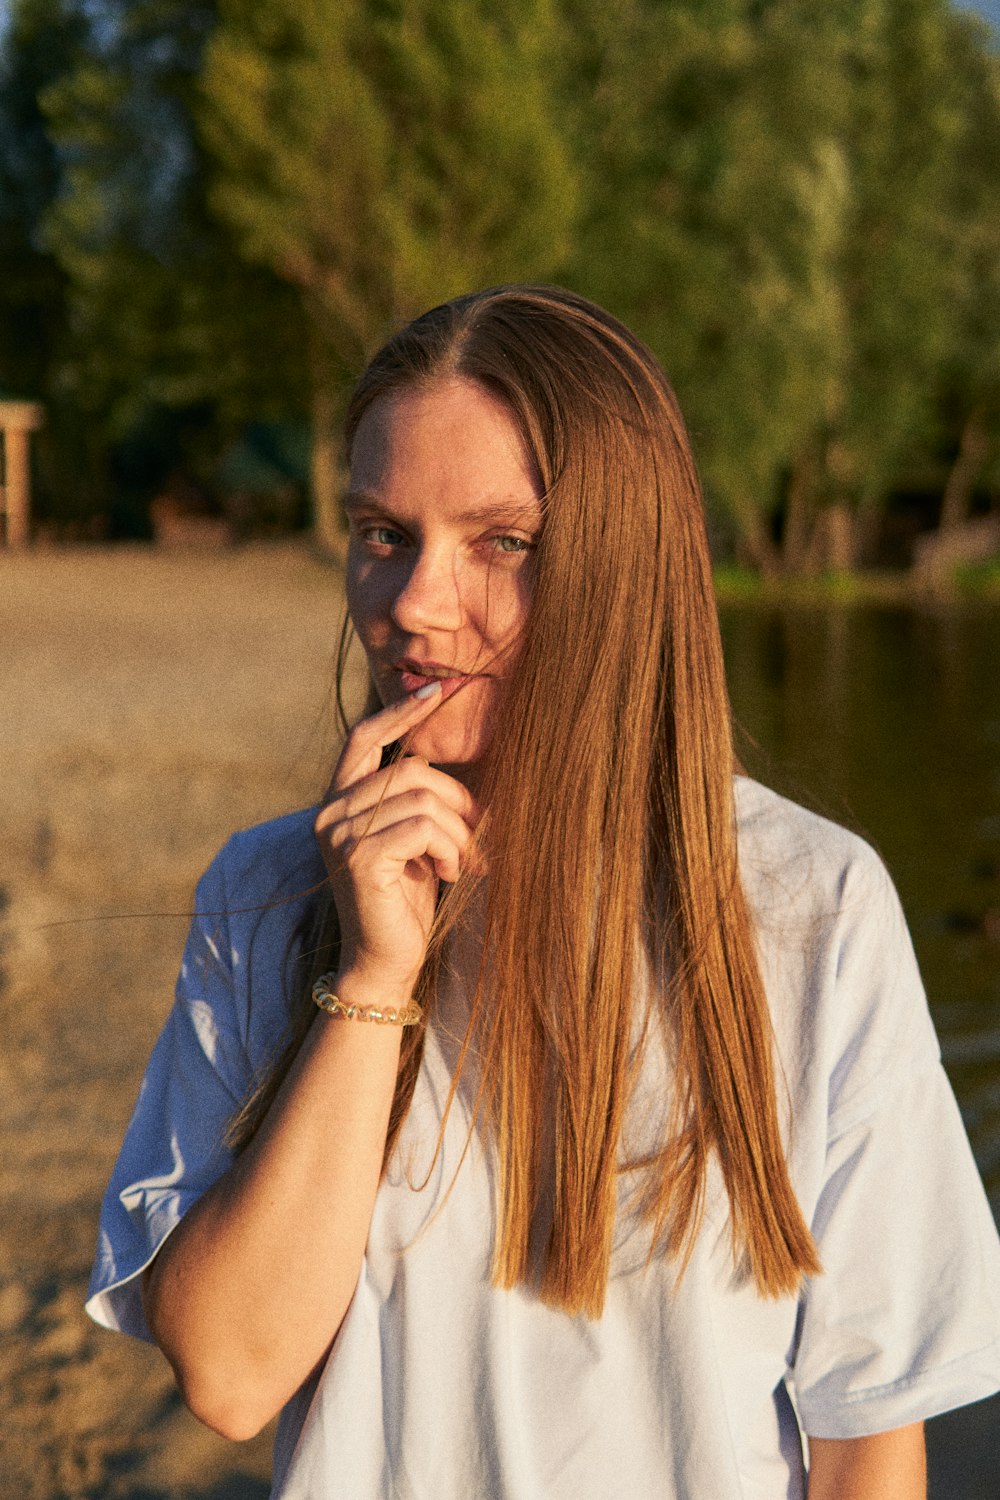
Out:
{"x": 740, "y": 585}
{"x": 980, "y": 580}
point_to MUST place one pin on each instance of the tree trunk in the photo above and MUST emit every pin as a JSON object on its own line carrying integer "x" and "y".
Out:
{"x": 799, "y": 514}
{"x": 867, "y": 529}
{"x": 840, "y": 538}
{"x": 754, "y": 536}
{"x": 973, "y": 451}
{"x": 325, "y": 471}
{"x": 832, "y": 547}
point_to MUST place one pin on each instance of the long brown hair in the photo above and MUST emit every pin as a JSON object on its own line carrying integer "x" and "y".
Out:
{"x": 628, "y": 847}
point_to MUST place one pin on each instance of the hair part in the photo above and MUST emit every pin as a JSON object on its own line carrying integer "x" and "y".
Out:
{"x": 630, "y": 849}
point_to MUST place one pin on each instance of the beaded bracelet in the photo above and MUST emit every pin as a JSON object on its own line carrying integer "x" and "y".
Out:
{"x": 391, "y": 1015}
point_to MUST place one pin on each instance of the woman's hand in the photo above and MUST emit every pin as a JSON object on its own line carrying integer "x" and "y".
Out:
{"x": 388, "y": 837}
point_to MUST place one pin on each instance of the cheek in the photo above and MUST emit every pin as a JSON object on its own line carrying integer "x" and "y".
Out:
{"x": 502, "y": 609}
{"x": 365, "y": 603}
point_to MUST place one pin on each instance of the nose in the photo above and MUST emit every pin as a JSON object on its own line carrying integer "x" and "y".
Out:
{"x": 430, "y": 596}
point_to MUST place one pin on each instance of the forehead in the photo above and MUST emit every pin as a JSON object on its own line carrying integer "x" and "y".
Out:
{"x": 450, "y": 440}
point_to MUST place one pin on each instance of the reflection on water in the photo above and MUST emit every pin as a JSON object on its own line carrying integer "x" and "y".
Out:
{"x": 889, "y": 721}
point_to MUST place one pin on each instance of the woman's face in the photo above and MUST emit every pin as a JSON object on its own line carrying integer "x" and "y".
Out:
{"x": 444, "y": 512}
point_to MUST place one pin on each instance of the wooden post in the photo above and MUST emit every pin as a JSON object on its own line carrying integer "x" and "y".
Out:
{"x": 17, "y": 420}
{"x": 17, "y": 486}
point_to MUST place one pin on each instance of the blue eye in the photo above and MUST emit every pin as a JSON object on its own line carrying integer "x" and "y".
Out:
{"x": 383, "y": 536}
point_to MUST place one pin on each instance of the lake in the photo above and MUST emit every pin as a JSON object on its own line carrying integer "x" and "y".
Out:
{"x": 888, "y": 720}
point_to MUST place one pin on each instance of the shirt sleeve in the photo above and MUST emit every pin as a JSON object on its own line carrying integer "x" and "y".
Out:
{"x": 904, "y": 1322}
{"x": 198, "y": 1076}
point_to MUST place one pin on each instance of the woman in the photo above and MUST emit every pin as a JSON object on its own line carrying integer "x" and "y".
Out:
{"x": 647, "y": 1165}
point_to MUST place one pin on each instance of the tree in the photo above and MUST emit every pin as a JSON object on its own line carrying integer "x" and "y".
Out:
{"x": 223, "y": 205}
{"x": 769, "y": 191}
{"x": 900, "y": 136}
{"x": 33, "y": 304}
{"x": 168, "y": 318}
{"x": 970, "y": 377}
{"x": 380, "y": 156}
{"x": 42, "y": 41}
{"x": 712, "y": 224}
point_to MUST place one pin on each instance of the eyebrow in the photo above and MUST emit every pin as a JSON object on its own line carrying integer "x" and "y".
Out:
{"x": 493, "y": 510}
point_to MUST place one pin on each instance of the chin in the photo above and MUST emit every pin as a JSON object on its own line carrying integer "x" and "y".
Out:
{"x": 458, "y": 748}
{"x": 459, "y": 731}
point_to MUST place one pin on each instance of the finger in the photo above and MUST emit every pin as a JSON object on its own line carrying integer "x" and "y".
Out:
{"x": 407, "y": 775}
{"x": 412, "y": 839}
{"x": 362, "y": 752}
{"x": 349, "y": 833}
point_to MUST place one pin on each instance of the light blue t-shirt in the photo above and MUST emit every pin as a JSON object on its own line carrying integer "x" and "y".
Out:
{"x": 441, "y": 1387}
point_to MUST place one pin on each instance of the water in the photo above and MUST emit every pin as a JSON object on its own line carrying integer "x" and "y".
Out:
{"x": 888, "y": 720}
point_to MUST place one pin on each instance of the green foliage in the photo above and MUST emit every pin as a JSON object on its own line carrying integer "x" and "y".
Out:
{"x": 981, "y": 580}
{"x": 168, "y": 314}
{"x": 721, "y": 189}
{"x": 32, "y": 308}
{"x": 901, "y": 139}
{"x": 781, "y": 186}
{"x": 35, "y": 329}
{"x": 211, "y": 210}
{"x": 924, "y": 108}
{"x": 382, "y": 156}
{"x": 969, "y": 379}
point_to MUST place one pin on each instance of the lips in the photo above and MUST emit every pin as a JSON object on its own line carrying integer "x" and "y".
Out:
{"x": 416, "y": 674}
{"x": 411, "y": 681}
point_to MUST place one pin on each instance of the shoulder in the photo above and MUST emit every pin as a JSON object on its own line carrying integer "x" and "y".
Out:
{"x": 253, "y": 906}
{"x": 262, "y": 883}
{"x": 811, "y": 885}
{"x": 269, "y": 859}
{"x": 835, "y": 951}
{"x": 807, "y": 880}
{"x": 776, "y": 834}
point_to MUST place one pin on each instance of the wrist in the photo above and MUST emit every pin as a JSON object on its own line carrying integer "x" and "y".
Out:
{"x": 360, "y": 984}
{"x": 383, "y": 1012}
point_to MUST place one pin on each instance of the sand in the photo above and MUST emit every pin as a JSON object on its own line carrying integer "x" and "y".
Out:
{"x": 149, "y": 705}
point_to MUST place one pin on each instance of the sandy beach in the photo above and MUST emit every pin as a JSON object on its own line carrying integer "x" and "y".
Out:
{"x": 151, "y": 703}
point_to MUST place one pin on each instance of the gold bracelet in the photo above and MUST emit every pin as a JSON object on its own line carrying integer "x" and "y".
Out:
{"x": 388, "y": 1015}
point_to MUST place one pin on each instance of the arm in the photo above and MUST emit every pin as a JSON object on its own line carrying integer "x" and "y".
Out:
{"x": 885, "y": 1466}
{"x": 247, "y": 1294}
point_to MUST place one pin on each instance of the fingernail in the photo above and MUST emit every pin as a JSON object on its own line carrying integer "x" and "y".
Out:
{"x": 428, "y": 690}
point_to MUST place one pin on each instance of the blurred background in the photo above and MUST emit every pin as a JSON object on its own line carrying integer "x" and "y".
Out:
{"x": 210, "y": 213}
{"x": 212, "y": 210}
